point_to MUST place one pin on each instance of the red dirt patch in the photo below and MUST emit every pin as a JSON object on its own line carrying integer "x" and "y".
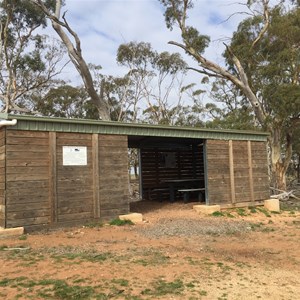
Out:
{"x": 174, "y": 254}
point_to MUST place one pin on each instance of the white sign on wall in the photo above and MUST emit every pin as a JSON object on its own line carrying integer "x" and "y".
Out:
{"x": 74, "y": 156}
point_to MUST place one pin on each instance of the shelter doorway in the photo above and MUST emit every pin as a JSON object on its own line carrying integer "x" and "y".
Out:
{"x": 169, "y": 165}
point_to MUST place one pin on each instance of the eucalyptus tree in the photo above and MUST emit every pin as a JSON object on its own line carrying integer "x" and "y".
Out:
{"x": 154, "y": 80}
{"x": 28, "y": 60}
{"x": 228, "y": 109}
{"x": 64, "y": 101}
{"x": 262, "y": 63}
{"x": 73, "y": 45}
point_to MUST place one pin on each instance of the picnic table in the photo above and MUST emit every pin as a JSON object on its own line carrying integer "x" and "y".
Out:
{"x": 185, "y": 185}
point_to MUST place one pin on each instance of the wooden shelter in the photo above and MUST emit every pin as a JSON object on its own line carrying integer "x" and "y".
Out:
{"x": 58, "y": 172}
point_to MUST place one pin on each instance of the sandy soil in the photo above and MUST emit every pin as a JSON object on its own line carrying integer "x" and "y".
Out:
{"x": 174, "y": 254}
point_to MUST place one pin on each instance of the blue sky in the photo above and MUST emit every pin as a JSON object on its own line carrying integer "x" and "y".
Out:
{"x": 103, "y": 25}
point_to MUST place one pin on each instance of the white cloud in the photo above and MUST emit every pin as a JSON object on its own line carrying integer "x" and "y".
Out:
{"x": 103, "y": 25}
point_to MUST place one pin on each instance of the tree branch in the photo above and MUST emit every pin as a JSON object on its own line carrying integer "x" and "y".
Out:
{"x": 266, "y": 23}
{"x": 75, "y": 55}
{"x": 205, "y": 72}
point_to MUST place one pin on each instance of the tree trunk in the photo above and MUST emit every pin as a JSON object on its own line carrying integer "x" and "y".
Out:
{"x": 279, "y": 161}
{"x": 298, "y": 169}
{"x": 65, "y": 33}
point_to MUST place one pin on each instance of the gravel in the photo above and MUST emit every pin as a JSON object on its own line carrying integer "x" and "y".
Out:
{"x": 188, "y": 227}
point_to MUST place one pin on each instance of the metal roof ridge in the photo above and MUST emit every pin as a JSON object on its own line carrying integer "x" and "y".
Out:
{"x": 123, "y": 124}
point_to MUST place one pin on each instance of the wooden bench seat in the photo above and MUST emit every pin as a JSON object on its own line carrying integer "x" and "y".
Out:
{"x": 186, "y": 193}
{"x": 158, "y": 192}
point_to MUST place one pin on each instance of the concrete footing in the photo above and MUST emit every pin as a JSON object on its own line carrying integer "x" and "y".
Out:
{"x": 272, "y": 204}
{"x": 206, "y": 209}
{"x": 133, "y": 217}
{"x": 4, "y": 232}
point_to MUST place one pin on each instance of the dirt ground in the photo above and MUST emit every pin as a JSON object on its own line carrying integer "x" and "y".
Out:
{"x": 174, "y": 254}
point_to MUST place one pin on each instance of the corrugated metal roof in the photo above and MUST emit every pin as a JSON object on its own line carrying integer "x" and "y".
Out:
{"x": 130, "y": 129}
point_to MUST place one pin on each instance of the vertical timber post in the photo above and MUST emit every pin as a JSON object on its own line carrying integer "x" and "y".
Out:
{"x": 205, "y": 172}
{"x": 52, "y": 177}
{"x": 250, "y": 168}
{"x": 95, "y": 163}
{"x": 231, "y": 170}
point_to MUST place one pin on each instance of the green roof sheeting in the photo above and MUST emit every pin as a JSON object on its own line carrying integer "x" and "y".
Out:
{"x": 34, "y": 123}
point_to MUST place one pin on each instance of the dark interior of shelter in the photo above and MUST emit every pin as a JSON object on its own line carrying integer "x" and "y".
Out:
{"x": 170, "y": 166}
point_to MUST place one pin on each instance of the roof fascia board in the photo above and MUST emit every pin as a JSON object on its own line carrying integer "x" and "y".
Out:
{"x": 110, "y": 127}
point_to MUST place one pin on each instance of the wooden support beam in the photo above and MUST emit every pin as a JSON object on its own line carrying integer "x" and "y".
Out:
{"x": 231, "y": 170}
{"x": 95, "y": 163}
{"x": 250, "y": 168}
{"x": 52, "y": 178}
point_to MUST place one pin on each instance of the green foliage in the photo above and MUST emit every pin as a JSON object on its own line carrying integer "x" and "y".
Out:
{"x": 241, "y": 212}
{"x": 23, "y": 237}
{"x": 252, "y": 209}
{"x": 135, "y": 54}
{"x": 93, "y": 224}
{"x": 175, "y": 10}
{"x": 151, "y": 77}
{"x": 162, "y": 288}
{"x": 64, "y": 291}
{"x": 218, "y": 214}
{"x": 263, "y": 67}
{"x": 28, "y": 61}
{"x": 271, "y": 65}
{"x": 24, "y": 14}
{"x": 167, "y": 63}
{"x": 195, "y": 40}
{"x": 118, "y": 222}
{"x": 264, "y": 211}
{"x": 65, "y": 101}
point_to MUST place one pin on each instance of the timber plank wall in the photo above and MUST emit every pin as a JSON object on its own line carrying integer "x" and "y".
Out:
{"x": 237, "y": 172}
{"x": 188, "y": 164}
{"x": 2, "y": 177}
{"x": 42, "y": 192}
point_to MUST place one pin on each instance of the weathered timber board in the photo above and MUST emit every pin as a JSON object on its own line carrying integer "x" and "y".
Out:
{"x": 246, "y": 174}
{"x": 74, "y": 184}
{"x": 113, "y": 175}
{"x": 27, "y": 187}
{"x": 189, "y": 163}
{"x": 27, "y": 222}
{"x": 2, "y": 177}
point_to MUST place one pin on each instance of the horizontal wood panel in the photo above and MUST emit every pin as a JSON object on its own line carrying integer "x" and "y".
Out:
{"x": 75, "y": 216}
{"x": 112, "y": 144}
{"x": 3, "y": 149}
{"x": 74, "y": 184}
{"x": 26, "y": 199}
{"x": 74, "y": 196}
{"x": 27, "y": 134}
{"x": 2, "y": 197}
{"x": 72, "y": 136}
{"x": 26, "y": 141}
{"x": 26, "y": 162}
{"x": 2, "y": 133}
{"x": 29, "y": 170}
{"x": 28, "y": 185}
{"x": 188, "y": 163}
{"x": 27, "y": 222}
{"x": 109, "y": 137}
{"x": 2, "y": 220}
{"x": 29, "y": 148}
{"x": 75, "y": 209}
{"x": 19, "y": 206}
{"x": 27, "y": 214}
{"x": 75, "y": 202}
{"x": 27, "y": 177}
{"x": 75, "y": 142}
{"x": 27, "y": 155}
